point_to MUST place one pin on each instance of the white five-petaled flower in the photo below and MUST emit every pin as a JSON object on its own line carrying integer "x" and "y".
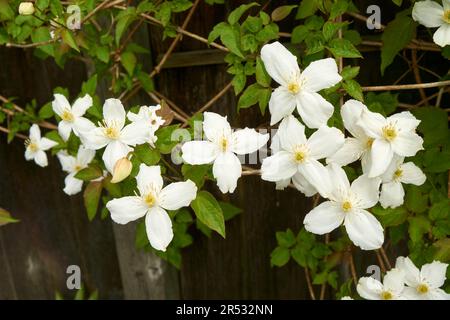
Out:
{"x": 392, "y": 192}
{"x": 423, "y": 284}
{"x": 347, "y": 204}
{"x": 72, "y": 116}
{"x": 357, "y": 147}
{"x": 395, "y": 135}
{"x": 114, "y": 134}
{"x": 432, "y": 15}
{"x": 72, "y": 165}
{"x": 299, "y": 89}
{"x": 298, "y": 155}
{"x": 152, "y": 201}
{"x": 37, "y": 145}
{"x": 392, "y": 287}
{"x": 150, "y": 119}
{"x": 221, "y": 147}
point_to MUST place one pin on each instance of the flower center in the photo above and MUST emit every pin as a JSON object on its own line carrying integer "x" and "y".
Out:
{"x": 346, "y": 206}
{"x": 223, "y": 144}
{"x": 150, "y": 200}
{"x": 33, "y": 146}
{"x": 67, "y": 116}
{"x": 369, "y": 143}
{"x": 293, "y": 87}
{"x": 300, "y": 153}
{"x": 446, "y": 16}
{"x": 386, "y": 295}
{"x": 398, "y": 174}
{"x": 422, "y": 288}
{"x": 389, "y": 133}
{"x": 78, "y": 168}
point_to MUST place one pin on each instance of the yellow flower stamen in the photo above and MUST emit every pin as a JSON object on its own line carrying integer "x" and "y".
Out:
{"x": 446, "y": 16}
{"x": 369, "y": 143}
{"x": 223, "y": 144}
{"x": 293, "y": 87}
{"x": 422, "y": 288}
{"x": 346, "y": 206}
{"x": 386, "y": 295}
{"x": 33, "y": 147}
{"x": 389, "y": 133}
{"x": 300, "y": 153}
{"x": 398, "y": 174}
{"x": 149, "y": 200}
{"x": 67, "y": 116}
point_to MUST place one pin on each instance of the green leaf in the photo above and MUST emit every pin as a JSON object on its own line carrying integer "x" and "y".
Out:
{"x": 262, "y": 77}
{"x": 415, "y": 200}
{"x": 236, "y": 14}
{"x": 238, "y": 82}
{"x": 353, "y": 89}
{"x": 102, "y": 53}
{"x": 229, "y": 210}
{"x": 68, "y": 38}
{"x": 146, "y": 81}
{"x": 442, "y": 250}
{"x": 286, "y": 239}
{"x": 46, "y": 111}
{"x": 166, "y": 142}
{"x": 398, "y": 2}
{"x": 147, "y": 154}
{"x": 440, "y": 210}
{"x": 42, "y": 34}
{"x": 299, "y": 34}
{"x": 124, "y": 20}
{"x": 128, "y": 60}
{"x": 208, "y": 211}
{"x": 6, "y": 13}
{"x": 91, "y": 198}
{"x": 384, "y": 103}
{"x": 79, "y": 295}
{"x": 307, "y": 8}
{"x": 89, "y": 86}
{"x": 282, "y": 12}
{"x": 279, "y": 257}
{"x": 42, "y": 4}
{"x": 390, "y": 217}
{"x": 141, "y": 239}
{"x": 269, "y": 32}
{"x": 90, "y": 173}
{"x": 180, "y": 5}
{"x": 397, "y": 34}
{"x": 5, "y": 217}
{"x": 299, "y": 255}
{"x": 196, "y": 173}
{"x": 254, "y": 93}
{"x": 343, "y": 48}
{"x": 433, "y": 125}
{"x": 330, "y": 29}
{"x": 253, "y": 24}
{"x": 417, "y": 227}
{"x": 338, "y": 8}
{"x": 349, "y": 72}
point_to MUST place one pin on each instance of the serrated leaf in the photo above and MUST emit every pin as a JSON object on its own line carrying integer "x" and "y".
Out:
{"x": 128, "y": 60}
{"x": 209, "y": 212}
{"x": 237, "y": 13}
{"x": 91, "y": 198}
{"x": 343, "y": 48}
{"x": 353, "y": 89}
{"x": 279, "y": 257}
{"x": 68, "y": 38}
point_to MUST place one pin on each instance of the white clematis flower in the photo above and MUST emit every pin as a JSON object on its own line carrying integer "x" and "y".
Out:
{"x": 221, "y": 148}
{"x": 36, "y": 146}
{"x": 360, "y": 145}
{"x": 299, "y": 89}
{"x": 423, "y": 284}
{"x": 152, "y": 202}
{"x": 299, "y": 155}
{"x": 392, "y": 192}
{"x": 72, "y": 165}
{"x": 114, "y": 134}
{"x": 392, "y": 287}
{"x": 72, "y": 116}
{"x": 432, "y": 15}
{"x": 151, "y": 121}
{"x": 347, "y": 204}
{"x": 395, "y": 135}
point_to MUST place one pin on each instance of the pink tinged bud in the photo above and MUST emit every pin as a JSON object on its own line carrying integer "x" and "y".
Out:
{"x": 26, "y": 8}
{"x": 122, "y": 170}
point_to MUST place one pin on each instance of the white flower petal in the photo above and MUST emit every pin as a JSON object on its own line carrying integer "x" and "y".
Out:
{"x": 434, "y": 273}
{"x": 324, "y": 218}
{"x": 411, "y": 272}
{"x": 40, "y": 158}
{"x": 338, "y": 180}
{"x": 199, "y": 152}
{"x": 82, "y": 126}
{"x": 280, "y": 64}
{"x": 35, "y": 132}
{"x": 64, "y": 129}
{"x": 372, "y": 123}
{"x": 281, "y": 104}
{"x": 317, "y": 175}
{"x": 85, "y": 156}
{"x": 364, "y": 230}
{"x": 314, "y": 109}
{"x": 282, "y": 184}
{"x": 29, "y": 155}
{"x": 369, "y": 288}
{"x": 291, "y": 133}
{"x": 366, "y": 161}
{"x": 412, "y": 174}
{"x": 367, "y": 191}
{"x": 442, "y": 35}
{"x": 114, "y": 112}
{"x": 134, "y": 133}
{"x": 407, "y": 144}
{"x": 321, "y": 74}
{"x": 227, "y": 170}
{"x": 351, "y": 150}
{"x": 149, "y": 176}
{"x": 159, "y": 228}
{"x": 126, "y": 209}
{"x": 215, "y": 126}
{"x": 46, "y": 144}
{"x": 67, "y": 161}
{"x": 81, "y": 105}
{"x": 278, "y": 167}
{"x": 404, "y": 120}
{"x": 438, "y": 294}
{"x": 177, "y": 195}
{"x": 351, "y": 113}
{"x": 113, "y": 152}
{"x": 247, "y": 141}
{"x": 303, "y": 185}
{"x": 96, "y": 139}
{"x": 392, "y": 194}
{"x": 72, "y": 185}
{"x": 381, "y": 155}
{"x": 60, "y": 104}
{"x": 325, "y": 142}
{"x": 428, "y": 13}
{"x": 394, "y": 281}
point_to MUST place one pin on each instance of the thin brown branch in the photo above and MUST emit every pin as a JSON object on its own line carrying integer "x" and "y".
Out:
{"x": 408, "y": 86}
{"x": 308, "y": 282}
{"x": 380, "y": 261}
{"x": 30, "y": 45}
{"x": 415, "y": 68}
{"x": 353, "y": 269}
{"x": 385, "y": 257}
{"x": 19, "y": 135}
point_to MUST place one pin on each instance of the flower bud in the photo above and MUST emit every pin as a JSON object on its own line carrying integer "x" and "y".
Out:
{"x": 26, "y": 8}
{"x": 122, "y": 170}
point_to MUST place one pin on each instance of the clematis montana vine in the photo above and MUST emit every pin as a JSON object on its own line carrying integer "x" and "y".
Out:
{"x": 221, "y": 147}
{"x": 432, "y": 15}
{"x": 113, "y": 134}
{"x": 37, "y": 145}
{"x": 150, "y": 120}
{"x": 398, "y": 172}
{"x": 395, "y": 135}
{"x": 423, "y": 284}
{"x": 391, "y": 289}
{"x": 72, "y": 116}
{"x": 152, "y": 201}
{"x": 298, "y": 157}
{"x": 360, "y": 145}
{"x": 299, "y": 89}
{"x": 72, "y": 165}
{"x": 347, "y": 204}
